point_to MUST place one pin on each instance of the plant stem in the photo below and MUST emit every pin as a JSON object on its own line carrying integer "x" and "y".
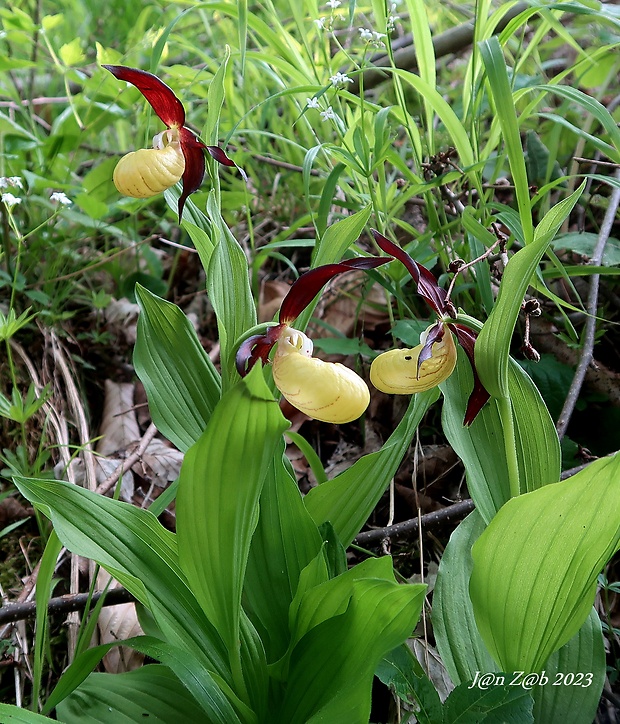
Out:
{"x": 505, "y": 413}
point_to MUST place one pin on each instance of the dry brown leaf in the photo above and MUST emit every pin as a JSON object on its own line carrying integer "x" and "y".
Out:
{"x": 104, "y": 467}
{"x": 431, "y": 663}
{"x": 119, "y": 426}
{"x": 122, "y": 319}
{"x": 272, "y": 293}
{"x": 160, "y": 464}
{"x": 118, "y": 623}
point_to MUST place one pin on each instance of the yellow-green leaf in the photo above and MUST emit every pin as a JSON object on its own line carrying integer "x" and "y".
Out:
{"x": 536, "y": 565}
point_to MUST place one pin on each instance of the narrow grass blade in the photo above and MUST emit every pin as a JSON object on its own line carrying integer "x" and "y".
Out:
{"x": 501, "y": 93}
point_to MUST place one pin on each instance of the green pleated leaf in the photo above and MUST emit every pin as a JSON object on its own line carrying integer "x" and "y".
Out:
{"x": 139, "y": 552}
{"x": 332, "y": 666}
{"x": 339, "y": 237}
{"x": 208, "y": 690}
{"x": 348, "y": 499}
{"x": 493, "y": 345}
{"x": 464, "y": 653}
{"x": 401, "y": 672}
{"x": 228, "y": 285}
{"x": 217, "y": 502}
{"x": 535, "y": 566}
{"x": 150, "y": 693}
{"x": 216, "y": 92}
{"x": 499, "y": 703}
{"x": 285, "y": 541}
{"x": 315, "y": 604}
{"x": 481, "y": 445}
{"x": 15, "y": 715}
{"x": 576, "y": 675}
{"x": 459, "y": 643}
{"x": 181, "y": 383}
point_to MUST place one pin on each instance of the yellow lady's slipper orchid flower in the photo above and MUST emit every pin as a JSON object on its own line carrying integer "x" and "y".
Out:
{"x": 177, "y": 153}
{"x": 325, "y": 391}
{"x": 433, "y": 360}
{"x": 399, "y": 371}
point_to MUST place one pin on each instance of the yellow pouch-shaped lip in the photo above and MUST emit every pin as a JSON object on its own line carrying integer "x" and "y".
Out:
{"x": 396, "y": 371}
{"x": 149, "y": 171}
{"x": 325, "y": 391}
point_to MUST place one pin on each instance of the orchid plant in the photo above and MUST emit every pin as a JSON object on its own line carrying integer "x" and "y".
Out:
{"x": 325, "y": 391}
{"x": 251, "y": 609}
{"x": 404, "y": 372}
{"x": 177, "y": 153}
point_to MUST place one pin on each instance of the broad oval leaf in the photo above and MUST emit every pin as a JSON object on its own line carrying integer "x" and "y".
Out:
{"x": 332, "y": 666}
{"x": 554, "y": 542}
{"x": 285, "y": 541}
{"x": 583, "y": 656}
{"x": 150, "y": 693}
{"x": 16, "y": 715}
{"x": 493, "y": 344}
{"x": 481, "y": 445}
{"x": 133, "y": 546}
{"x": 462, "y": 649}
{"x": 217, "y": 502}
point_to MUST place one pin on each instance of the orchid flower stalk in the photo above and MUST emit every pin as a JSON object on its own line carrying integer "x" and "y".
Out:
{"x": 414, "y": 370}
{"x": 325, "y": 391}
{"x": 177, "y": 153}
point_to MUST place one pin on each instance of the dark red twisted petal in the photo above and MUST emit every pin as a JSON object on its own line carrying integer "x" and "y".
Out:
{"x": 162, "y": 99}
{"x": 425, "y": 280}
{"x": 435, "y": 335}
{"x": 479, "y": 395}
{"x": 193, "y": 152}
{"x": 305, "y": 289}
{"x": 257, "y": 347}
{"x": 218, "y": 154}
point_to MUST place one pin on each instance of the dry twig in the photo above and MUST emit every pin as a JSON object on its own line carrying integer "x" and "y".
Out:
{"x": 591, "y": 306}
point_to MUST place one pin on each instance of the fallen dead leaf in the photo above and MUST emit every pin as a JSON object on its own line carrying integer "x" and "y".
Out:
{"x": 116, "y": 623}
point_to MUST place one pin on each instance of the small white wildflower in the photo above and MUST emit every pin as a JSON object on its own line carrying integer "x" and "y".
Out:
{"x": 61, "y": 198}
{"x": 333, "y": 4}
{"x": 320, "y": 23}
{"x": 377, "y": 36}
{"x": 6, "y": 181}
{"x": 328, "y": 114}
{"x": 365, "y": 34}
{"x": 9, "y": 200}
{"x": 312, "y": 103}
{"x": 340, "y": 79}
